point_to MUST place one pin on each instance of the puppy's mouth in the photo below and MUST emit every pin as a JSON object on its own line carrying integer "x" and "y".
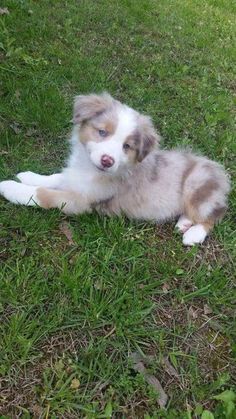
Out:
{"x": 105, "y": 170}
{"x": 101, "y": 169}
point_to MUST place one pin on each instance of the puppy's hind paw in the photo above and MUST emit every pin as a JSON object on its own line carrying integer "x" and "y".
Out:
{"x": 195, "y": 234}
{"x": 183, "y": 224}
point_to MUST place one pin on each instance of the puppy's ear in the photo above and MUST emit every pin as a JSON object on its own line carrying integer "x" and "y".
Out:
{"x": 88, "y": 106}
{"x": 148, "y": 137}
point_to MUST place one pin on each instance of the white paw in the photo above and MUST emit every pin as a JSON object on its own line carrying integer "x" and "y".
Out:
{"x": 5, "y": 186}
{"x": 183, "y": 224}
{"x": 195, "y": 234}
{"x": 29, "y": 178}
{"x": 18, "y": 193}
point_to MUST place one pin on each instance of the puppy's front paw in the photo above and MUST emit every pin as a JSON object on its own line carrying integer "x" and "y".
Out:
{"x": 6, "y": 187}
{"x": 28, "y": 178}
{"x": 18, "y": 193}
{"x": 195, "y": 234}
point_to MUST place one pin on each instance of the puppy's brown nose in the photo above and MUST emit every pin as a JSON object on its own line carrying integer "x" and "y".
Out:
{"x": 107, "y": 161}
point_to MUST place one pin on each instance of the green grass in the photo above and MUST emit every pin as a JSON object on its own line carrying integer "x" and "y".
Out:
{"x": 77, "y": 312}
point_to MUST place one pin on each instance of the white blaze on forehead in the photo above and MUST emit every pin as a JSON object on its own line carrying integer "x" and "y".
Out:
{"x": 127, "y": 123}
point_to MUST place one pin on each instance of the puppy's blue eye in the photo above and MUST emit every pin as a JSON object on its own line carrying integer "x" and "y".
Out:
{"x": 102, "y": 132}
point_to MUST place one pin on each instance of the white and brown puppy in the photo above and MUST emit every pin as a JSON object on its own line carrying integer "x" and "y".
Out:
{"x": 115, "y": 167}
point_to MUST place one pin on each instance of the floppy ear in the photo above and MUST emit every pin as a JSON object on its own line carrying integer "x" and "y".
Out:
{"x": 87, "y": 106}
{"x": 148, "y": 137}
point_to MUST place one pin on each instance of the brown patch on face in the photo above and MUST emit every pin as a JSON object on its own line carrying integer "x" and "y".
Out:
{"x": 204, "y": 192}
{"x": 88, "y": 106}
{"x": 132, "y": 155}
{"x": 188, "y": 170}
{"x": 146, "y": 146}
{"x": 134, "y": 143}
{"x": 86, "y": 133}
{"x": 89, "y": 130}
{"x": 142, "y": 140}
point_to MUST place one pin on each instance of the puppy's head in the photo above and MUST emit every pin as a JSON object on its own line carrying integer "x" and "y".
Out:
{"x": 115, "y": 136}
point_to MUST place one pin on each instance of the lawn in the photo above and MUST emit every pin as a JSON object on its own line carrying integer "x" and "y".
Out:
{"x": 75, "y": 311}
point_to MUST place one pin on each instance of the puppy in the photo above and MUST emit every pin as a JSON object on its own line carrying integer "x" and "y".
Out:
{"x": 115, "y": 167}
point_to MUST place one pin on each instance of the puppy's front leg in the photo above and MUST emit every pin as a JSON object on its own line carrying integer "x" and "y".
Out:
{"x": 68, "y": 201}
{"x": 34, "y": 179}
